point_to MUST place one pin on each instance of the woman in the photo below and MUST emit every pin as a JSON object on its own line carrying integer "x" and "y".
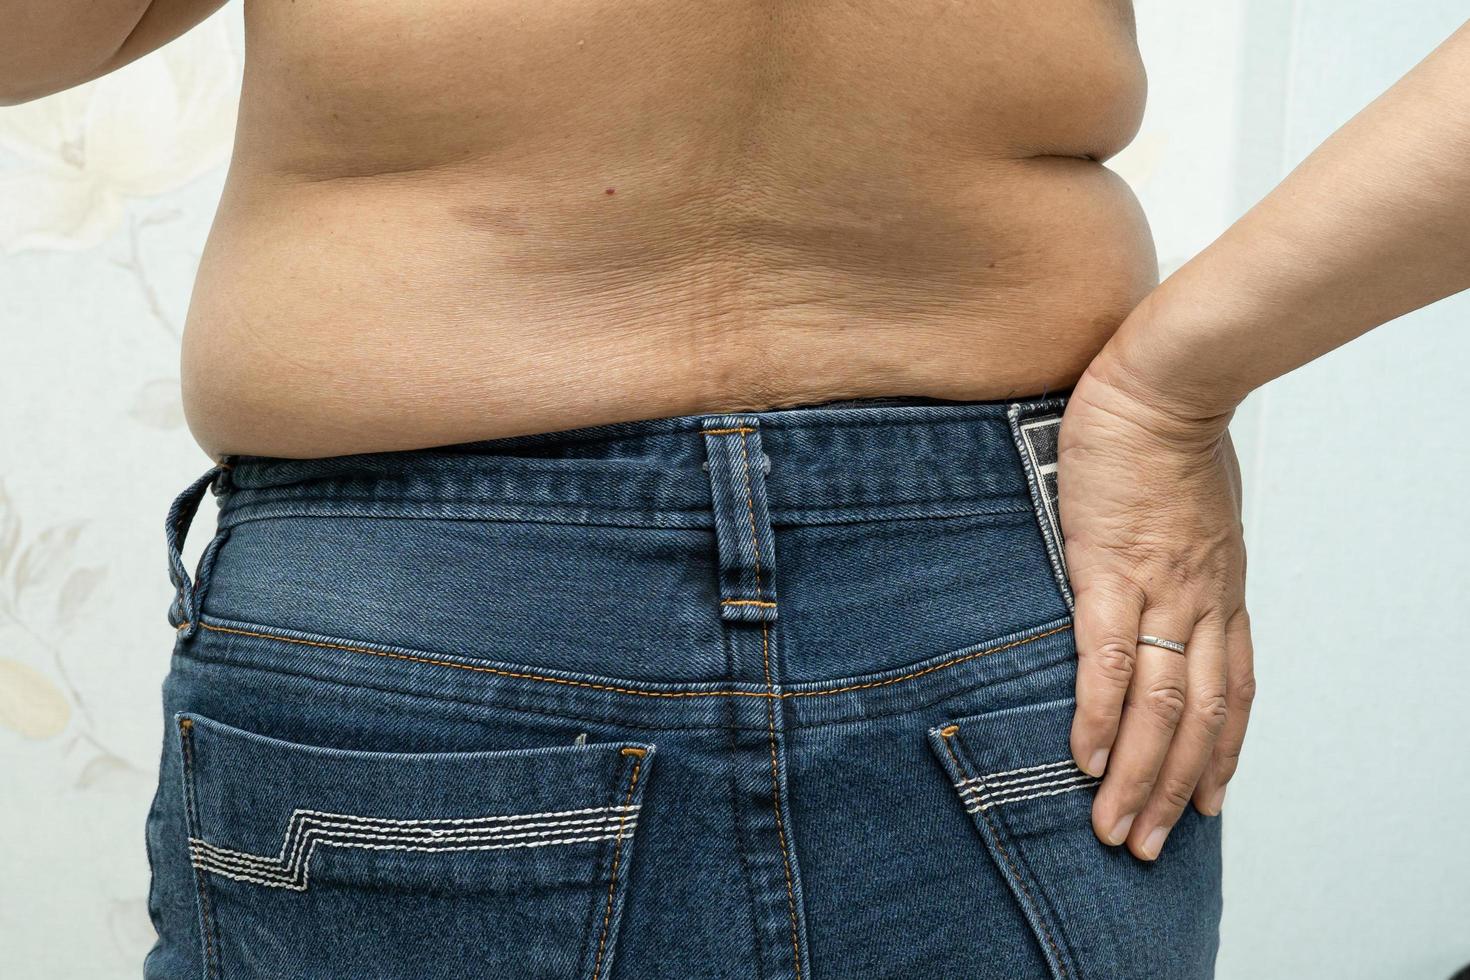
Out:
{"x": 761, "y": 613}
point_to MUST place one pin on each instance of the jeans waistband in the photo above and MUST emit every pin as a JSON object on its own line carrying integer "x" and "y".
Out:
{"x": 740, "y": 476}
{"x": 831, "y": 462}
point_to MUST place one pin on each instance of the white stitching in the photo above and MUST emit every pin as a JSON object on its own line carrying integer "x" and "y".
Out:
{"x": 1069, "y": 783}
{"x": 1013, "y": 772}
{"x": 280, "y": 883}
{"x": 308, "y": 828}
{"x": 1030, "y": 783}
{"x": 238, "y": 865}
{"x": 1024, "y": 787}
{"x": 334, "y": 822}
{"x": 336, "y": 834}
{"x": 1021, "y": 782}
{"x": 211, "y": 855}
{"x": 447, "y": 821}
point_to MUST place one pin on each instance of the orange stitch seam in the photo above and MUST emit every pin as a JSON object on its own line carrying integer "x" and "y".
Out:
{"x": 949, "y": 730}
{"x": 748, "y": 602}
{"x": 633, "y": 750}
{"x": 728, "y": 432}
{"x": 776, "y": 799}
{"x": 613, "y": 879}
{"x": 771, "y": 713}
{"x": 1000, "y": 846}
{"x": 983, "y": 652}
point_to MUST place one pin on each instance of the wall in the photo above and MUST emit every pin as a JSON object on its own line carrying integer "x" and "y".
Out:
{"x": 1345, "y": 832}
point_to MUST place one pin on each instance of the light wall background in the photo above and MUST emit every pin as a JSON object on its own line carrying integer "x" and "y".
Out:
{"x": 1346, "y": 831}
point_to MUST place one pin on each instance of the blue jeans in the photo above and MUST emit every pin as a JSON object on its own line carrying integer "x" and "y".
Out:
{"x": 771, "y": 696}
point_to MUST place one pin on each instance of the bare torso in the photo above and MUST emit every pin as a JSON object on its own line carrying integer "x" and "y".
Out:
{"x": 448, "y": 221}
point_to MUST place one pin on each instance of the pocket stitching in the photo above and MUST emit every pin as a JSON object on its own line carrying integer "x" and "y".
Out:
{"x": 207, "y": 921}
{"x": 1030, "y": 782}
{"x": 612, "y": 883}
{"x": 622, "y": 834}
{"x": 949, "y": 734}
{"x": 976, "y": 651}
{"x": 290, "y": 867}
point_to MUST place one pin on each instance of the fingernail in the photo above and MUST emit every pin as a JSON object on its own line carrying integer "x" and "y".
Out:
{"x": 1097, "y": 763}
{"x": 1155, "y": 842}
{"x": 1216, "y": 802}
{"x": 1120, "y": 830}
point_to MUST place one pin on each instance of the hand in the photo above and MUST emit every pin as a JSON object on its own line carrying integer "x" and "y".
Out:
{"x": 1150, "y": 502}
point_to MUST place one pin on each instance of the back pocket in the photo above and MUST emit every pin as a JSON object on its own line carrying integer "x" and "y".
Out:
{"x": 317, "y": 862}
{"x": 1096, "y": 911}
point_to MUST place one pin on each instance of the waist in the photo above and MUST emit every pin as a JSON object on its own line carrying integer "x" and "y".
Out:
{"x": 855, "y": 459}
{"x": 896, "y": 547}
{"x": 385, "y": 314}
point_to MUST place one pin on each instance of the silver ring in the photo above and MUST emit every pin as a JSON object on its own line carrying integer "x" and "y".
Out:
{"x": 1155, "y": 641}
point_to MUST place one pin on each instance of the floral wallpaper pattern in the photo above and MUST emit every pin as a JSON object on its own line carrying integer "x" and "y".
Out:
{"x": 134, "y": 135}
{"x": 106, "y": 194}
{"x": 93, "y": 179}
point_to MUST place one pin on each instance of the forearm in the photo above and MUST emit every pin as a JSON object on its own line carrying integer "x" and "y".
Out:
{"x": 50, "y": 45}
{"x": 1374, "y": 224}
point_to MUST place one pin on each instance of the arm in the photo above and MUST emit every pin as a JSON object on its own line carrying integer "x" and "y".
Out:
{"x": 50, "y": 45}
{"x": 1374, "y": 224}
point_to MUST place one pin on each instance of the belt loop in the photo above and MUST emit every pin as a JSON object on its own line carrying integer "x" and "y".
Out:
{"x": 183, "y": 612}
{"x": 743, "y": 536}
{"x": 226, "y": 466}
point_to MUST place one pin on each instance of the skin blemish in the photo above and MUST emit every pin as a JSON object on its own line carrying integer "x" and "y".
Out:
{"x": 610, "y": 192}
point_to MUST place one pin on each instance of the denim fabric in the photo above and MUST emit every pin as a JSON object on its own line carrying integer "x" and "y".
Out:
{"x": 768, "y": 696}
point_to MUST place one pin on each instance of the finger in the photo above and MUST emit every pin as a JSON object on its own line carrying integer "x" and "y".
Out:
{"x": 1105, "y": 623}
{"x": 1194, "y": 741}
{"x": 1240, "y": 691}
{"x": 1151, "y": 712}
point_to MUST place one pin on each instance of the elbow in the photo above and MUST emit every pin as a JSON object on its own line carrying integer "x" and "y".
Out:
{"x": 56, "y": 60}
{"x": 46, "y": 72}
{"x": 10, "y": 96}
{"x": 18, "y": 91}
{"x": 14, "y": 91}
